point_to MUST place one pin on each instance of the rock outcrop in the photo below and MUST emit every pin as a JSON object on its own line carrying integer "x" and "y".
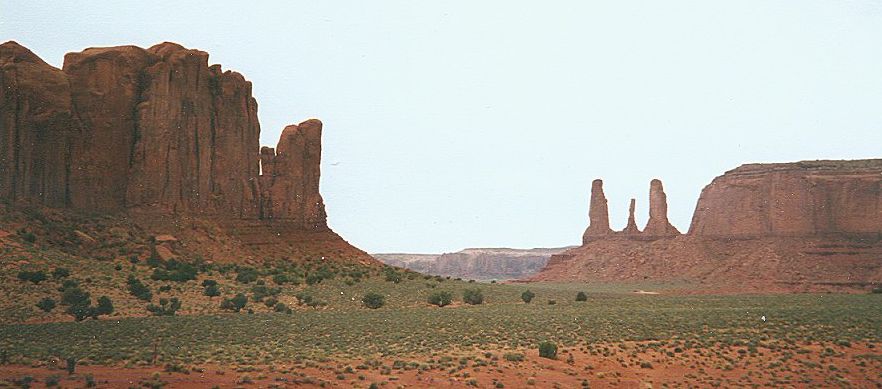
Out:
{"x": 658, "y": 224}
{"x": 631, "y": 228}
{"x": 812, "y": 198}
{"x": 803, "y": 226}
{"x": 158, "y": 130}
{"x": 598, "y": 214}
{"x": 289, "y": 183}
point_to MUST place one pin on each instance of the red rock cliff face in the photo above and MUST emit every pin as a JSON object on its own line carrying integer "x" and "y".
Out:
{"x": 290, "y": 177}
{"x": 36, "y": 128}
{"x": 809, "y": 198}
{"x": 124, "y": 128}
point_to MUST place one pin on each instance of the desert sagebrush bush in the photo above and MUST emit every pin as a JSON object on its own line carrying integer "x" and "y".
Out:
{"x": 440, "y": 298}
{"x": 527, "y": 296}
{"x": 548, "y": 350}
{"x": 581, "y": 296}
{"x": 373, "y": 300}
{"x": 473, "y": 296}
{"x": 138, "y": 289}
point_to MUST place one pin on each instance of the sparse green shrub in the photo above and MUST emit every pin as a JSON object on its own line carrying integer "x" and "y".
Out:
{"x": 877, "y": 290}
{"x": 89, "y": 380}
{"x": 235, "y": 304}
{"x": 392, "y": 275}
{"x": 71, "y": 365}
{"x": 548, "y": 350}
{"x": 282, "y": 308}
{"x": 105, "y": 306}
{"x": 440, "y": 298}
{"x": 307, "y": 299}
{"x": 212, "y": 290}
{"x": 581, "y": 296}
{"x": 27, "y": 236}
{"x": 280, "y": 279}
{"x": 175, "y": 271}
{"x": 46, "y": 305}
{"x": 60, "y": 272}
{"x": 261, "y": 291}
{"x": 527, "y": 296}
{"x": 513, "y": 357}
{"x": 35, "y": 277}
{"x": 373, "y": 300}
{"x": 473, "y": 296}
{"x": 138, "y": 289}
{"x": 166, "y": 307}
{"x": 67, "y": 284}
{"x": 78, "y": 303}
{"x": 246, "y": 275}
{"x": 270, "y": 302}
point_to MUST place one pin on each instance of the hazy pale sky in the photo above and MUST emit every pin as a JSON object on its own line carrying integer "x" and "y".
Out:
{"x": 454, "y": 124}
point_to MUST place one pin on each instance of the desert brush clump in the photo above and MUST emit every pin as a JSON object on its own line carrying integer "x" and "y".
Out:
{"x": 473, "y": 296}
{"x": 527, "y": 296}
{"x": 166, "y": 307}
{"x": 373, "y": 300}
{"x": 440, "y": 298}
{"x": 138, "y": 289}
{"x": 234, "y": 304}
{"x": 548, "y": 350}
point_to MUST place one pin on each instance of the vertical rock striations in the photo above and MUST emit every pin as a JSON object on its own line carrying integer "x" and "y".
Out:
{"x": 290, "y": 177}
{"x": 123, "y": 128}
{"x": 810, "y": 198}
{"x": 598, "y": 214}
{"x": 37, "y": 125}
{"x": 658, "y": 224}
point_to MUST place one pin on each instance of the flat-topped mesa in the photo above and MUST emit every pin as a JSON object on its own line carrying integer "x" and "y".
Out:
{"x": 631, "y": 228}
{"x": 158, "y": 129}
{"x": 809, "y": 198}
{"x": 598, "y": 214}
{"x": 658, "y": 224}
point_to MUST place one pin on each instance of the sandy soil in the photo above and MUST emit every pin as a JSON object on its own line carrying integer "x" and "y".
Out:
{"x": 626, "y": 365}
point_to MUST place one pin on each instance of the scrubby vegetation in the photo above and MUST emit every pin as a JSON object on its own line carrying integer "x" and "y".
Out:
{"x": 527, "y": 296}
{"x": 373, "y": 300}
{"x": 166, "y": 307}
{"x": 548, "y": 350}
{"x": 473, "y": 296}
{"x": 440, "y": 298}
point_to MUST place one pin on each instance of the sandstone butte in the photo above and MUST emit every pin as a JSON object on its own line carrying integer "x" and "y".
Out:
{"x": 803, "y": 226}
{"x": 160, "y": 136}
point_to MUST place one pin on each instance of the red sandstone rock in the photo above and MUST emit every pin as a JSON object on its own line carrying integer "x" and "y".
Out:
{"x": 598, "y": 214}
{"x": 793, "y": 199}
{"x": 158, "y": 131}
{"x": 291, "y": 177}
{"x": 631, "y": 228}
{"x": 658, "y": 224}
{"x": 36, "y": 128}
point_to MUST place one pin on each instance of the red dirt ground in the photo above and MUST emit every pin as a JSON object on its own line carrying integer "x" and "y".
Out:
{"x": 627, "y": 365}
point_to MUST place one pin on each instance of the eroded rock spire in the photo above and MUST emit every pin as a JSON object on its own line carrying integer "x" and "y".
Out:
{"x": 658, "y": 224}
{"x": 598, "y": 213}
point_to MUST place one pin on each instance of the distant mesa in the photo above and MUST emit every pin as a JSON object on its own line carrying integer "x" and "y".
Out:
{"x": 156, "y": 131}
{"x": 476, "y": 263}
{"x": 802, "y": 226}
